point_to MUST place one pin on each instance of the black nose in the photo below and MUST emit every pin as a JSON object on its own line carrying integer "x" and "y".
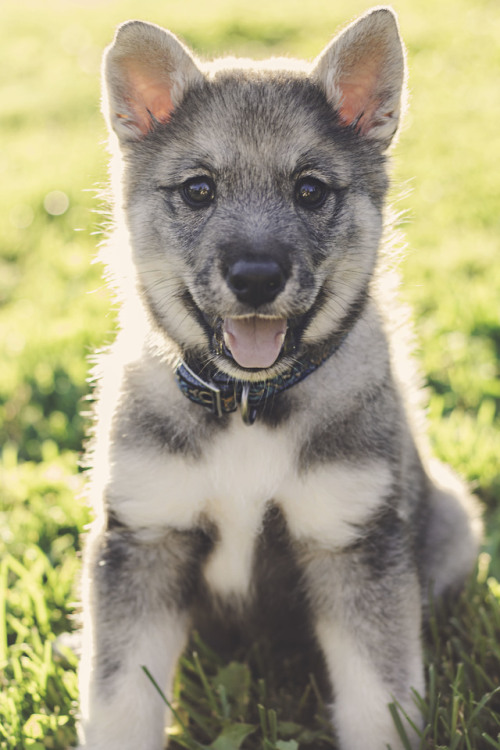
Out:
{"x": 255, "y": 282}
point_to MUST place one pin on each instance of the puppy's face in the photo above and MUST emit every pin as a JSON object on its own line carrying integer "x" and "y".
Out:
{"x": 255, "y": 219}
{"x": 254, "y": 205}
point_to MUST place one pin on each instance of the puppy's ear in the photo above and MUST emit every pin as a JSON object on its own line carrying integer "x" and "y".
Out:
{"x": 146, "y": 71}
{"x": 362, "y": 72}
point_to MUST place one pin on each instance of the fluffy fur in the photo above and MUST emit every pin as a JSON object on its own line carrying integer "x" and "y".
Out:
{"x": 254, "y": 193}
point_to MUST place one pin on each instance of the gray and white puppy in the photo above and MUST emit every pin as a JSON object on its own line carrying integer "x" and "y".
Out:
{"x": 253, "y": 454}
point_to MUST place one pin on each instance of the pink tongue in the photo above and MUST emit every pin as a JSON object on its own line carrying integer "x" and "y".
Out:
{"x": 254, "y": 342}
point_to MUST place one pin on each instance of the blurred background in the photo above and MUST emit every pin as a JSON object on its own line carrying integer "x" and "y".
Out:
{"x": 55, "y": 310}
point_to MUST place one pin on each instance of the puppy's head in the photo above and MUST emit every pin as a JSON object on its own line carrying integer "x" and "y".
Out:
{"x": 253, "y": 192}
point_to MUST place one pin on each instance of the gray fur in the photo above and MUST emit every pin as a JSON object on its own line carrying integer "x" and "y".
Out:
{"x": 325, "y": 519}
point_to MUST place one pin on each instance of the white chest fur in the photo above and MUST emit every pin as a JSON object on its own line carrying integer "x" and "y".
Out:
{"x": 243, "y": 470}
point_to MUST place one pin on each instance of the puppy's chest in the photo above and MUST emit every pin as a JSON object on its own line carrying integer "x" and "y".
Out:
{"x": 240, "y": 475}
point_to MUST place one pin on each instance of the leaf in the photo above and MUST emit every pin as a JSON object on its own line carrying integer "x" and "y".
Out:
{"x": 311, "y": 736}
{"x": 235, "y": 680}
{"x": 232, "y": 737}
{"x": 289, "y": 728}
{"x": 287, "y": 745}
{"x": 34, "y": 727}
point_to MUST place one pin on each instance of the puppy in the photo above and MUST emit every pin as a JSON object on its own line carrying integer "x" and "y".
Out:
{"x": 254, "y": 454}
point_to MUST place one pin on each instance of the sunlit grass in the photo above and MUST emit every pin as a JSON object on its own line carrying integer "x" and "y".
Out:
{"x": 54, "y": 311}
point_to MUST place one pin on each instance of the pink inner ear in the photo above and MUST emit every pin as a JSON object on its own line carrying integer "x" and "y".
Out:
{"x": 148, "y": 96}
{"x": 359, "y": 97}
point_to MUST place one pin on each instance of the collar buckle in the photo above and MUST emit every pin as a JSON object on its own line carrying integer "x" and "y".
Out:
{"x": 216, "y": 399}
{"x": 204, "y": 392}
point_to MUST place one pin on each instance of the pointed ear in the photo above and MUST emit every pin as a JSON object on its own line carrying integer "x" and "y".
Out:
{"x": 146, "y": 71}
{"x": 363, "y": 71}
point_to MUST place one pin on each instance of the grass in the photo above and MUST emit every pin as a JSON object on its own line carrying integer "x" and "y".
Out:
{"x": 54, "y": 311}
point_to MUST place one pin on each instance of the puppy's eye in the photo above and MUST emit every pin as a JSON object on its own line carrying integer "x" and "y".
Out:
{"x": 310, "y": 192}
{"x": 198, "y": 191}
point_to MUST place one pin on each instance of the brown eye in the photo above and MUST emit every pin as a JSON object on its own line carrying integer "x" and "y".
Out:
{"x": 310, "y": 192}
{"x": 198, "y": 191}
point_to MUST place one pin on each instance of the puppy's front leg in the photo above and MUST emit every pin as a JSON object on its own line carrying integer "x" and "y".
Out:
{"x": 367, "y": 615}
{"x": 135, "y": 600}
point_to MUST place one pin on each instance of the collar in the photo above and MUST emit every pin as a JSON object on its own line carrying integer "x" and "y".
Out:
{"x": 222, "y": 393}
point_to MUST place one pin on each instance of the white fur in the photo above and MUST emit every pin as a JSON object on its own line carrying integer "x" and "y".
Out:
{"x": 231, "y": 486}
{"x": 133, "y": 714}
{"x": 361, "y": 714}
{"x": 326, "y": 504}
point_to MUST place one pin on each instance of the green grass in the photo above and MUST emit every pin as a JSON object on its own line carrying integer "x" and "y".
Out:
{"x": 54, "y": 311}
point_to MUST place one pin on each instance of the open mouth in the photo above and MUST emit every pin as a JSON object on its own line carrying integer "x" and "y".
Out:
{"x": 254, "y": 342}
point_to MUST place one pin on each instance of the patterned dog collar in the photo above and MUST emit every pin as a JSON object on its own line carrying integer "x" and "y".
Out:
{"x": 222, "y": 394}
